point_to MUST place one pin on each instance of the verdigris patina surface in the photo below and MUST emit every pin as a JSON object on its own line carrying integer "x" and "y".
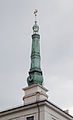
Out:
{"x": 35, "y": 73}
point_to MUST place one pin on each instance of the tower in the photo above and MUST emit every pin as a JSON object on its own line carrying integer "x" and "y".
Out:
{"x": 35, "y": 90}
{"x": 35, "y": 73}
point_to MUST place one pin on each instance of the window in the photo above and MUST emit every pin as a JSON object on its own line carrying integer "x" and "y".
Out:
{"x": 30, "y": 118}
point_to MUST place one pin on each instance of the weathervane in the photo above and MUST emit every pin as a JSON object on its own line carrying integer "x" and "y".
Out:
{"x": 35, "y": 27}
{"x": 35, "y": 12}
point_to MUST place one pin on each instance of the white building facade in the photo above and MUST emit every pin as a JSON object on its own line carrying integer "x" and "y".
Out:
{"x": 36, "y": 107}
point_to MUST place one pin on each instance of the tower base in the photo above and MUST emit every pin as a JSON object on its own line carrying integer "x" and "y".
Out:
{"x": 34, "y": 93}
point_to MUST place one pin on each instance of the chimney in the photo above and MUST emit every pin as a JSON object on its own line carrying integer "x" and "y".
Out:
{"x": 66, "y": 111}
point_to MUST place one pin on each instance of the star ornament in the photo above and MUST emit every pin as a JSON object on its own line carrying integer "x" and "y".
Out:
{"x": 35, "y": 11}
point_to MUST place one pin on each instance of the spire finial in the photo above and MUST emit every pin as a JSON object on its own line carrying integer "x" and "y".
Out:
{"x": 35, "y": 27}
{"x": 35, "y": 12}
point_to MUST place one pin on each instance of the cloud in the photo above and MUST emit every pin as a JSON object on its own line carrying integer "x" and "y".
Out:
{"x": 56, "y": 28}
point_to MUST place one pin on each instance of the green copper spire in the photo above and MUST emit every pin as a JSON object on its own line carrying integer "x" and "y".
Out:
{"x": 35, "y": 73}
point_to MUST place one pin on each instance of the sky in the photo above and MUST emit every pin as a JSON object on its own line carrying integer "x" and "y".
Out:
{"x": 55, "y": 18}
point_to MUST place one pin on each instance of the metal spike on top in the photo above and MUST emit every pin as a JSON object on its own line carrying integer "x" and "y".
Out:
{"x": 35, "y": 27}
{"x": 35, "y": 12}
